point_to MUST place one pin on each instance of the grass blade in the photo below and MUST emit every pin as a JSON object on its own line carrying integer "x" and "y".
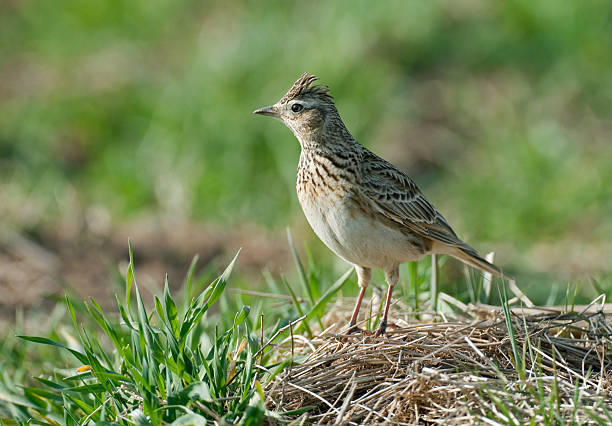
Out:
{"x": 318, "y": 308}
{"x": 300, "y": 268}
{"x": 297, "y": 306}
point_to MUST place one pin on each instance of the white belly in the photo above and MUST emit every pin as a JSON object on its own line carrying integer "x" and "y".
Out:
{"x": 355, "y": 237}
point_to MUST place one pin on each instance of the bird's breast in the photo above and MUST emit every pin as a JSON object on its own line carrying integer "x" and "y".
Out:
{"x": 348, "y": 226}
{"x": 327, "y": 199}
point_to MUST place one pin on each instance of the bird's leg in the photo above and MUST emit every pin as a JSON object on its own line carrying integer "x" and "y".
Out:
{"x": 353, "y": 324}
{"x": 363, "y": 279}
{"x": 392, "y": 277}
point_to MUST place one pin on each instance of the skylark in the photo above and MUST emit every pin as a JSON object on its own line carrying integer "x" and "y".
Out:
{"x": 363, "y": 208}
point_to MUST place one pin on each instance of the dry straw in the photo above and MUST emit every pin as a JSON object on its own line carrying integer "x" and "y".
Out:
{"x": 455, "y": 372}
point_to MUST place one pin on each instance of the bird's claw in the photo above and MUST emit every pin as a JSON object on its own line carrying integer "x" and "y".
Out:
{"x": 382, "y": 328}
{"x": 353, "y": 329}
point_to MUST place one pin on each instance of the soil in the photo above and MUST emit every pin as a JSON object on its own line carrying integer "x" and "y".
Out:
{"x": 39, "y": 268}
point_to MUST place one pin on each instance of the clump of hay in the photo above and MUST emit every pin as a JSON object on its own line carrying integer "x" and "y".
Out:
{"x": 458, "y": 372}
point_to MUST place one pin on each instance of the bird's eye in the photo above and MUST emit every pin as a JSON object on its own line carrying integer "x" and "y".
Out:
{"x": 297, "y": 107}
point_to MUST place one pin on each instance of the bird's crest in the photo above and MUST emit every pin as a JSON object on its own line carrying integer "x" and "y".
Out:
{"x": 303, "y": 87}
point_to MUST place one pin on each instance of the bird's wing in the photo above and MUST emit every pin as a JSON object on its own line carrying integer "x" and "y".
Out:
{"x": 394, "y": 195}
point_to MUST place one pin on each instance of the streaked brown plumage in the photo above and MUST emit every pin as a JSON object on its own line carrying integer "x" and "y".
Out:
{"x": 362, "y": 207}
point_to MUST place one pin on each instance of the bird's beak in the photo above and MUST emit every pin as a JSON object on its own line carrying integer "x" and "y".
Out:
{"x": 271, "y": 111}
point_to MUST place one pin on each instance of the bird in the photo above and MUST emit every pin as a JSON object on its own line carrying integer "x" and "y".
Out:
{"x": 366, "y": 210}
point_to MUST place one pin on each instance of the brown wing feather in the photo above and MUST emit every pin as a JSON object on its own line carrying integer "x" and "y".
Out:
{"x": 397, "y": 197}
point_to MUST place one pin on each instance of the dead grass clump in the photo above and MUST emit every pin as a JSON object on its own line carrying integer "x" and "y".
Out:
{"x": 459, "y": 373}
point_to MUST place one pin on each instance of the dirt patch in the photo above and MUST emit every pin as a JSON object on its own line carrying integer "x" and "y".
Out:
{"x": 37, "y": 269}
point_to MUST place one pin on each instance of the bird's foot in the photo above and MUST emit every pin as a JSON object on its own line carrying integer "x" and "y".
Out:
{"x": 382, "y": 328}
{"x": 354, "y": 329}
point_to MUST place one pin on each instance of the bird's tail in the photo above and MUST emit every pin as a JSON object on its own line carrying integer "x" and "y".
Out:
{"x": 469, "y": 256}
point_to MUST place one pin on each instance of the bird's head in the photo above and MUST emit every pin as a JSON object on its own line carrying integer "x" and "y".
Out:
{"x": 305, "y": 108}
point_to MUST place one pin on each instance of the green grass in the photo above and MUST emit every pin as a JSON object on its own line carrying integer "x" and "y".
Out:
{"x": 175, "y": 363}
{"x": 148, "y": 367}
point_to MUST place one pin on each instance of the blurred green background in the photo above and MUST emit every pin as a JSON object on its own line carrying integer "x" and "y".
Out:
{"x": 138, "y": 112}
